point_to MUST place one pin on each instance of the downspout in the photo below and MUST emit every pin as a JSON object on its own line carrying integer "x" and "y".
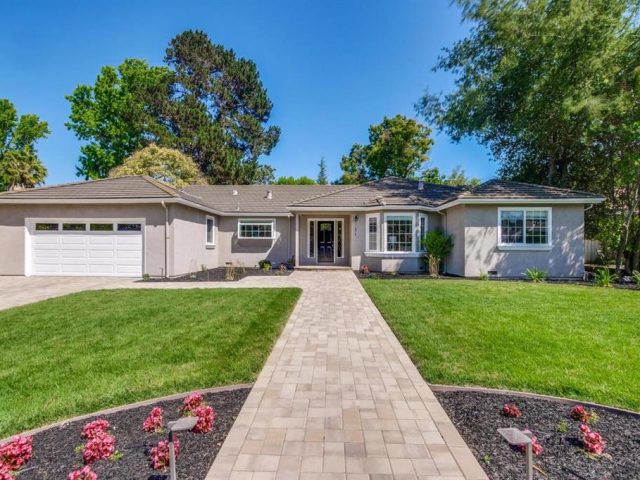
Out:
{"x": 166, "y": 237}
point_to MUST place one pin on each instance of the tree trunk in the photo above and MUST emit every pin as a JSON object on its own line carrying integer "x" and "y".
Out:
{"x": 434, "y": 266}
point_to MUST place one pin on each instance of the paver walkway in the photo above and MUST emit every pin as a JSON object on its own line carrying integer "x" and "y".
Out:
{"x": 340, "y": 399}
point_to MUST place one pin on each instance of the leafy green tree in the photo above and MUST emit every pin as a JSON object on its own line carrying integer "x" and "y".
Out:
{"x": 295, "y": 181}
{"x": 165, "y": 164}
{"x": 322, "y": 172}
{"x": 438, "y": 246}
{"x": 397, "y": 147}
{"x": 20, "y": 166}
{"x": 551, "y": 87}
{"x": 206, "y": 102}
{"x": 118, "y": 115}
{"x": 456, "y": 178}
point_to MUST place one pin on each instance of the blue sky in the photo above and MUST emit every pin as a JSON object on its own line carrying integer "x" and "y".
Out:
{"x": 331, "y": 67}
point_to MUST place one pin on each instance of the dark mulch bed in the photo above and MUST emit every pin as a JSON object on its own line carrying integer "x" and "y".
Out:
{"x": 220, "y": 275}
{"x": 478, "y": 415}
{"x": 54, "y": 455}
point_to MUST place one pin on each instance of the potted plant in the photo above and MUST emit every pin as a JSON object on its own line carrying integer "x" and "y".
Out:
{"x": 438, "y": 246}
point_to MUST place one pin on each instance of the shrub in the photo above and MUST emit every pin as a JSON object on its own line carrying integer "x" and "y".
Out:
{"x": 5, "y": 473}
{"x": 438, "y": 246}
{"x": 205, "y": 415}
{"x": 16, "y": 452}
{"x": 635, "y": 276}
{"x": 483, "y": 275}
{"x": 535, "y": 275}
{"x": 265, "y": 265}
{"x": 604, "y": 278}
{"x": 230, "y": 272}
{"x": 191, "y": 403}
{"x": 92, "y": 429}
{"x": 365, "y": 269}
{"x": 100, "y": 447}
{"x": 84, "y": 474}
{"x": 283, "y": 268}
{"x": 592, "y": 441}
{"x": 583, "y": 415}
{"x": 160, "y": 454}
{"x": 511, "y": 410}
{"x": 154, "y": 422}
{"x": 536, "y": 448}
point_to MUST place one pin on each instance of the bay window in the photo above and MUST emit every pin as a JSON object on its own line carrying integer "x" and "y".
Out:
{"x": 372, "y": 233}
{"x": 522, "y": 227}
{"x": 399, "y": 233}
{"x": 422, "y": 230}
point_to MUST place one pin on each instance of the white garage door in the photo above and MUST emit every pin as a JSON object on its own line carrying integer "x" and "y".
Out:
{"x": 86, "y": 248}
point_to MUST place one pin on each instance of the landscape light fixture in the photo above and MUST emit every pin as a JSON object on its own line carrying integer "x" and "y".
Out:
{"x": 517, "y": 437}
{"x": 181, "y": 425}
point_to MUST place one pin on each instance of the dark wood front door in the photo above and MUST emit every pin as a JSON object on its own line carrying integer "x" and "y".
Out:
{"x": 325, "y": 242}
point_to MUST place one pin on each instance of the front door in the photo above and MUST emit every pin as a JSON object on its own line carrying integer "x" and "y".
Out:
{"x": 325, "y": 242}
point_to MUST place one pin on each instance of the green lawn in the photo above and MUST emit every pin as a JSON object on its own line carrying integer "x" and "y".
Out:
{"x": 84, "y": 352}
{"x": 568, "y": 340}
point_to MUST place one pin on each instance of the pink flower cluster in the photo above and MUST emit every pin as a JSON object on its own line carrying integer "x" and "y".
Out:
{"x": 536, "y": 448}
{"x": 100, "y": 445}
{"x": 511, "y": 410}
{"x": 160, "y": 454}
{"x": 83, "y": 474}
{"x": 5, "y": 473}
{"x": 154, "y": 422}
{"x": 91, "y": 429}
{"x": 194, "y": 405}
{"x": 592, "y": 441}
{"x": 582, "y": 414}
{"x": 15, "y": 453}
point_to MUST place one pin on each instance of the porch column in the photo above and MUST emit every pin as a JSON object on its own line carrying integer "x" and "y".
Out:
{"x": 297, "y": 236}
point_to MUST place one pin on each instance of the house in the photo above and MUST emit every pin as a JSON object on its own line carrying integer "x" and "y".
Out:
{"x": 135, "y": 225}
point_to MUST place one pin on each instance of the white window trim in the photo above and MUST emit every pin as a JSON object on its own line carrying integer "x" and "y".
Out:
{"x": 426, "y": 230}
{"x": 311, "y": 240}
{"x": 378, "y": 231}
{"x": 335, "y": 221}
{"x": 257, "y": 221}
{"x": 206, "y": 231}
{"x": 524, "y": 245}
{"x": 413, "y": 229}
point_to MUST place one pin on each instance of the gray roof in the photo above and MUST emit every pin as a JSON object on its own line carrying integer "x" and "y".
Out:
{"x": 388, "y": 191}
{"x": 253, "y": 198}
{"x": 497, "y": 189}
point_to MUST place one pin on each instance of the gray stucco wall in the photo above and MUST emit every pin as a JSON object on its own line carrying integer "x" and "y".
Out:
{"x": 564, "y": 259}
{"x": 12, "y": 229}
{"x": 249, "y": 252}
{"x": 455, "y": 226}
{"x": 188, "y": 250}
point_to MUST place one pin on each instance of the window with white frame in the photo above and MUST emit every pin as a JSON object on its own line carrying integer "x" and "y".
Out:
{"x": 524, "y": 226}
{"x": 399, "y": 232}
{"x": 422, "y": 230}
{"x": 211, "y": 229}
{"x": 372, "y": 233}
{"x": 260, "y": 229}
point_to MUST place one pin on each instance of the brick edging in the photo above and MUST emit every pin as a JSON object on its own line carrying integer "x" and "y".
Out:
{"x": 130, "y": 406}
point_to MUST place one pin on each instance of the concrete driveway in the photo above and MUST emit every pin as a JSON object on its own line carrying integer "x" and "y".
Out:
{"x": 15, "y": 291}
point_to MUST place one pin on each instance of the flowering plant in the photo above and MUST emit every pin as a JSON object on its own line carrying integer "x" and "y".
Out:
{"x": 160, "y": 454}
{"x": 5, "y": 473}
{"x": 585, "y": 416}
{"x": 101, "y": 447}
{"x": 511, "y": 410}
{"x": 205, "y": 415}
{"x": 91, "y": 429}
{"x": 592, "y": 441}
{"x": 536, "y": 448}
{"x": 84, "y": 474}
{"x": 153, "y": 422}
{"x": 191, "y": 402}
{"x": 16, "y": 452}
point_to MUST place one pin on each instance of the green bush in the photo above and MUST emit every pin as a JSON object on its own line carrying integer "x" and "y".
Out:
{"x": 636, "y": 277}
{"x": 265, "y": 265}
{"x": 438, "y": 246}
{"x": 604, "y": 278}
{"x": 535, "y": 275}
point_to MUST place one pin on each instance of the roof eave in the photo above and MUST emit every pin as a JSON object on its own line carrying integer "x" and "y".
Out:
{"x": 520, "y": 201}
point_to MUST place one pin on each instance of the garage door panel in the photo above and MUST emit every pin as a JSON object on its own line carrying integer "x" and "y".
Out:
{"x": 87, "y": 253}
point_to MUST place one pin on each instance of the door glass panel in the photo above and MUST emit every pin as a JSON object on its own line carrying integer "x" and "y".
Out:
{"x": 101, "y": 227}
{"x": 129, "y": 227}
{"x": 74, "y": 227}
{"x": 46, "y": 227}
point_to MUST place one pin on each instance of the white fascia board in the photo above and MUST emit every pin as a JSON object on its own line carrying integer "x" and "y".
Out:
{"x": 520, "y": 201}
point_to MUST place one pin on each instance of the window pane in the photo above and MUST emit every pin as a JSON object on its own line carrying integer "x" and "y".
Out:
{"x": 399, "y": 233}
{"x": 537, "y": 227}
{"x": 256, "y": 230}
{"x": 74, "y": 227}
{"x": 373, "y": 234}
{"x": 422, "y": 232}
{"x": 339, "y": 239}
{"x": 511, "y": 223}
{"x": 46, "y": 227}
{"x": 129, "y": 227}
{"x": 312, "y": 239}
{"x": 101, "y": 227}
{"x": 210, "y": 225}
